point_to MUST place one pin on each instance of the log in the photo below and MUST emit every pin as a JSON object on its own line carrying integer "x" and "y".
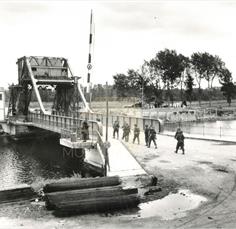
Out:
{"x": 17, "y": 193}
{"x": 82, "y": 184}
{"x": 152, "y": 190}
{"x": 52, "y": 199}
{"x": 93, "y": 205}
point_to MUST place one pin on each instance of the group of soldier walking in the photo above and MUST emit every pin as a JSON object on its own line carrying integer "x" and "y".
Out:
{"x": 150, "y": 135}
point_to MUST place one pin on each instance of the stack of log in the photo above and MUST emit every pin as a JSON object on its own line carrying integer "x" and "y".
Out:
{"x": 17, "y": 193}
{"x": 103, "y": 194}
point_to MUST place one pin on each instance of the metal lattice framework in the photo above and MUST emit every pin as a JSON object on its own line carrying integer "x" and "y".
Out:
{"x": 36, "y": 73}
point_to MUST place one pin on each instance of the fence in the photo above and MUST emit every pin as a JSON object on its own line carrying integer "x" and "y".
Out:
{"x": 68, "y": 127}
{"x": 141, "y": 122}
{"x": 217, "y": 129}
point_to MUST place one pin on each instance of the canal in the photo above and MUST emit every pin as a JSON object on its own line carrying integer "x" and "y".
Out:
{"x": 226, "y": 129}
{"x": 42, "y": 158}
{"x": 34, "y": 160}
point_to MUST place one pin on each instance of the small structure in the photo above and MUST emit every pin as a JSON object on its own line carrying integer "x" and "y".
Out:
{"x": 2, "y": 104}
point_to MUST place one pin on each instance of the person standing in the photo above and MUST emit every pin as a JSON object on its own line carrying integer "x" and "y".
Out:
{"x": 123, "y": 128}
{"x": 152, "y": 137}
{"x": 179, "y": 136}
{"x": 136, "y": 133}
{"x": 146, "y": 133}
{"x": 116, "y": 127}
{"x": 126, "y": 131}
{"x": 85, "y": 131}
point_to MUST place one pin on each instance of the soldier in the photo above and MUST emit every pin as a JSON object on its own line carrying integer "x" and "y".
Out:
{"x": 85, "y": 130}
{"x": 136, "y": 133}
{"x": 146, "y": 133}
{"x": 123, "y": 128}
{"x": 179, "y": 136}
{"x": 116, "y": 127}
{"x": 152, "y": 137}
{"x": 126, "y": 131}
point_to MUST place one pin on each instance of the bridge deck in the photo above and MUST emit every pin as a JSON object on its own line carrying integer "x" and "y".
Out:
{"x": 122, "y": 163}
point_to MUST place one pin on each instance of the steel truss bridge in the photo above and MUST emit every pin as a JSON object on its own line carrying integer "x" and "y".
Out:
{"x": 37, "y": 75}
{"x": 69, "y": 109}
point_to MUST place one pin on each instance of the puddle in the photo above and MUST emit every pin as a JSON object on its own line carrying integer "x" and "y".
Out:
{"x": 172, "y": 206}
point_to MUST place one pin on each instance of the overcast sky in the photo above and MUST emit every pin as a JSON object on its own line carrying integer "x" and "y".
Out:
{"x": 126, "y": 33}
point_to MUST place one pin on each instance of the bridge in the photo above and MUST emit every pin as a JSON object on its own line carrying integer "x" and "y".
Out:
{"x": 69, "y": 110}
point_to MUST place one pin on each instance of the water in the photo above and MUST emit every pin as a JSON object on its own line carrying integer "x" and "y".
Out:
{"x": 172, "y": 206}
{"x": 214, "y": 128}
{"x": 29, "y": 161}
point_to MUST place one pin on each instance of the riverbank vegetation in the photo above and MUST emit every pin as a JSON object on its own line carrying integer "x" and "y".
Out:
{"x": 170, "y": 77}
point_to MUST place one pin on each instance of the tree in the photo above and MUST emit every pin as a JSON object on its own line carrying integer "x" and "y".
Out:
{"x": 206, "y": 66}
{"x": 197, "y": 66}
{"x": 154, "y": 89}
{"x": 189, "y": 83}
{"x": 185, "y": 66}
{"x": 228, "y": 88}
{"x": 170, "y": 66}
{"x": 213, "y": 67}
{"x": 122, "y": 85}
{"x": 136, "y": 82}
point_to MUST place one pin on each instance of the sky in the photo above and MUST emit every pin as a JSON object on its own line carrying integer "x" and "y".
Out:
{"x": 126, "y": 33}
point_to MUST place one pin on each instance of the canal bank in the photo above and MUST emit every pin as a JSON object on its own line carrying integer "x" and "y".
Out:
{"x": 207, "y": 169}
{"x": 203, "y": 137}
{"x": 214, "y": 130}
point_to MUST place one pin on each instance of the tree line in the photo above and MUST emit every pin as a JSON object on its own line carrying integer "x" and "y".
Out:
{"x": 157, "y": 79}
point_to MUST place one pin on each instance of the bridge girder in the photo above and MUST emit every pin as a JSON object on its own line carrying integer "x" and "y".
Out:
{"x": 35, "y": 72}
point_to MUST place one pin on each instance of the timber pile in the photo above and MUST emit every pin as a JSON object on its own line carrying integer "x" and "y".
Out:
{"x": 82, "y": 184}
{"x": 18, "y": 193}
{"x": 89, "y": 195}
{"x": 102, "y": 204}
{"x": 57, "y": 198}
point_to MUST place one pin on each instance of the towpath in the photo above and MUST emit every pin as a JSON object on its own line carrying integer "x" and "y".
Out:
{"x": 208, "y": 168}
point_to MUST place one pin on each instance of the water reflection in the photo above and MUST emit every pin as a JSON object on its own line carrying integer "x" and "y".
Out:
{"x": 25, "y": 162}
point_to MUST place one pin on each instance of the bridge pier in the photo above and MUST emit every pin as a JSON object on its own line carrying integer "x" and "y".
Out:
{"x": 15, "y": 130}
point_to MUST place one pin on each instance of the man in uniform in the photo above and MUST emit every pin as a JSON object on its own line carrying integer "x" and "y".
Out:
{"x": 136, "y": 133}
{"x": 152, "y": 137}
{"x": 126, "y": 131}
{"x": 146, "y": 133}
{"x": 85, "y": 130}
{"x": 116, "y": 127}
{"x": 179, "y": 136}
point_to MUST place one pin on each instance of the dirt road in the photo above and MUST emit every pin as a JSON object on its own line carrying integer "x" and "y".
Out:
{"x": 208, "y": 168}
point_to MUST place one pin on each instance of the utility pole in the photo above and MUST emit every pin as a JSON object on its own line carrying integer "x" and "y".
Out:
{"x": 74, "y": 116}
{"x": 89, "y": 66}
{"x": 106, "y": 111}
{"x": 107, "y": 165}
{"x": 142, "y": 92}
